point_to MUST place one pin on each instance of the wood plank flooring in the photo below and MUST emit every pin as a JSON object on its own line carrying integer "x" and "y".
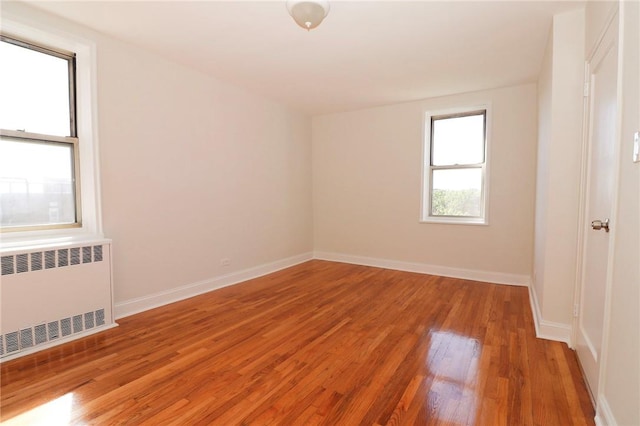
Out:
{"x": 319, "y": 343}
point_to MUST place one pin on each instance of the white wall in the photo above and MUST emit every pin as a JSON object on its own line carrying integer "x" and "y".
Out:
{"x": 193, "y": 170}
{"x": 560, "y": 100}
{"x": 367, "y": 168}
{"x": 621, "y": 371}
{"x": 545, "y": 85}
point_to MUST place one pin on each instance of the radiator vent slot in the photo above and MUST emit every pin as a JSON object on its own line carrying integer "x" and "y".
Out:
{"x": 77, "y": 323}
{"x": 49, "y": 259}
{"x": 7, "y": 265}
{"x": 65, "y": 326}
{"x": 63, "y": 258}
{"x": 89, "y": 320}
{"x": 36, "y": 261}
{"x": 86, "y": 254}
{"x": 54, "y": 330}
{"x": 26, "y": 338}
{"x": 97, "y": 253}
{"x": 22, "y": 263}
{"x": 75, "y": 256}
{"x": 60, "y": 258}
{"x": 100, "y": 317}
{"x": 42, "y": 333}
{"x": 11, "y": 340}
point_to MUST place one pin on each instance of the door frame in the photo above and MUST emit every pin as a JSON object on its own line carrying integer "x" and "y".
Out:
{"x": 602, "y": 40}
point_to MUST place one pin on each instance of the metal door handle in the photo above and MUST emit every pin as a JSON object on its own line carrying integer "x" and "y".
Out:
{"x": 599, "y": 224}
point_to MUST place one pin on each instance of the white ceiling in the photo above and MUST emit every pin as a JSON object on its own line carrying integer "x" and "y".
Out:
{"x": 365, "y": 53}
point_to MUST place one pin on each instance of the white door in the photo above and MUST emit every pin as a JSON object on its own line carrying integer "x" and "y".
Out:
{"x": 603, "y": 69}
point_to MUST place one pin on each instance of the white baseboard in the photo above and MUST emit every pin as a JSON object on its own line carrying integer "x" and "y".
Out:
{"x": 423, "y": 268}
{"x": 547, "y": 329}
{"x": 604, "y": 415}
{"x": 134, "y": 306}
{"x": 140, "y": 304}
{"x": 544, "y": 329}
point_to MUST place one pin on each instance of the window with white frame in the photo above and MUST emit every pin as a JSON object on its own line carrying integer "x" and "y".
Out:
{"x": 455, "y": 167}
{"x": 39, "y": 161}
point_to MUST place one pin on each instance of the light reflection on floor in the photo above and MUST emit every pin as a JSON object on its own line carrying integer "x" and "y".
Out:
{"x": 53, "y": 413}
{"x": 453, "y": 362}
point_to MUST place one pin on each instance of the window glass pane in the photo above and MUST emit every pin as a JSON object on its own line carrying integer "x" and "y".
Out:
{"x": 36, "y": 183}
{"x": 458, "y": 140}
{"x": 35, "y": 91}
{"x": 457, "y": 192}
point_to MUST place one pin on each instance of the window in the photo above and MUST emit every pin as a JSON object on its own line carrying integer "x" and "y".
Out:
{"x": 455, "y": 184}
{"x": 39, "y": 182}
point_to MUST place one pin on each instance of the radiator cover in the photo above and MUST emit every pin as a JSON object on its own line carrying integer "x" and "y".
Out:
{"x": 50, "y": 295}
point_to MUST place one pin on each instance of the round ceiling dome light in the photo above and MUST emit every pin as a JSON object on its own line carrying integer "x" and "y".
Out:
{"x": 308, "y": 13}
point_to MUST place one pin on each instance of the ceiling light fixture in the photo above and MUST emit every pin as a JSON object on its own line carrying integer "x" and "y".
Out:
{"x": 308, "y": 13}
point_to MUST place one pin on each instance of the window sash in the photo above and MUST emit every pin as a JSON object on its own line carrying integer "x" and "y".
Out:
{"x": 75, "y": 173}
{"x": 458, "y": 167}
{"x": 435, "y": 118}
{"x": 71, "y": 64}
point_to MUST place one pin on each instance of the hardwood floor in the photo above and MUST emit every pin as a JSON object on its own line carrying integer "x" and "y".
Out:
{"x": 319, "y": 343}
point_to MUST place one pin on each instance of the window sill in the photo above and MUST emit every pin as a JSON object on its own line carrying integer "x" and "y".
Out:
{"x": 21, "y": 241}
{"x": 456, "y": 221}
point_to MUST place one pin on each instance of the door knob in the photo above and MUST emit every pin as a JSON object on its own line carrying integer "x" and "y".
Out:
{"x": 599, "y": 224}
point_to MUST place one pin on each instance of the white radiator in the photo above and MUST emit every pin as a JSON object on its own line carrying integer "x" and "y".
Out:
{"x": 51, "y": 295}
